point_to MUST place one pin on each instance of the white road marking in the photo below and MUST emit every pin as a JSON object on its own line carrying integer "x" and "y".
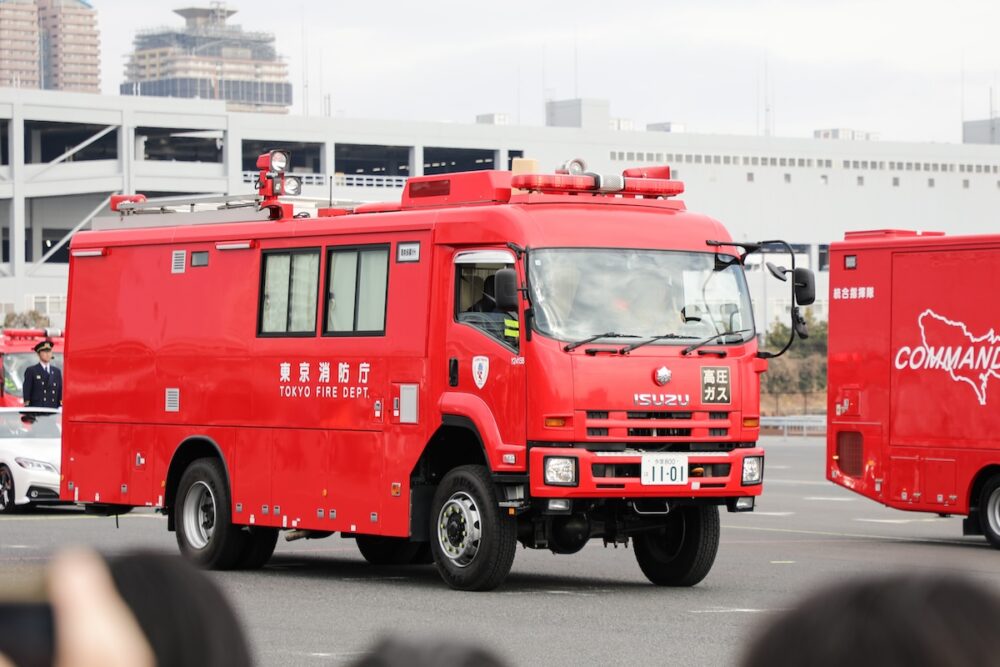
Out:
{"x": 759, "y": 513}
{"x": 782, "y": 562}
{"x": 76, "y": 516}
{"x": 794, "y": 482}
{"x": 17, "y": 546}
{"x": 830, "y": 499}
{"x": 863, "y": 536}
{"x": 727, "y": 611}
{"x": 771, "y": 466}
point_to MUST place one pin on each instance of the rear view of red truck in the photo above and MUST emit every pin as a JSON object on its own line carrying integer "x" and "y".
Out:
{"x": 914, "y": 373}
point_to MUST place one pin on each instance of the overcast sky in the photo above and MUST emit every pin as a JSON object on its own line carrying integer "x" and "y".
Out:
{"x": 895, "y": 67}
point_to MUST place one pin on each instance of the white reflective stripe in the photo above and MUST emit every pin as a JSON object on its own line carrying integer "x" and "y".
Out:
{"x": 96, "y": 252}
{"x": 234, "y": 245}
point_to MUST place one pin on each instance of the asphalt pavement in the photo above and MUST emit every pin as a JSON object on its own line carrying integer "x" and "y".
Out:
{"x": 319, "y": 603}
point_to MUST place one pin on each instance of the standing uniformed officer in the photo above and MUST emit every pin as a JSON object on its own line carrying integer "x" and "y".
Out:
{"x": 43, "y": 381}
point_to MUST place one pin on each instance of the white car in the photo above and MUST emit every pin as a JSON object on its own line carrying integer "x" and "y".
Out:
{"x": 30, "y": 453}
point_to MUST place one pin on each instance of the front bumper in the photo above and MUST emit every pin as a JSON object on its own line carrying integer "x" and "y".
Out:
{"x": 616, "y": 475}
{"x": 35, "y": 486}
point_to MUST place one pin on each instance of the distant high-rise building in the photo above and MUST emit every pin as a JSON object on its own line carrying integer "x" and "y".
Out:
{"x": 49, "y": 44}
{"x": 20, "y": 56}
{"x": 71, "y": 46}
{"x": 211, "y": 60}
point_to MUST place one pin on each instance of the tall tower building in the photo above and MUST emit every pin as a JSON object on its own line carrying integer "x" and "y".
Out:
{"x": 20, "y": 55}
{"x": 209, "y": 59}
{"x": 71, "y": 47}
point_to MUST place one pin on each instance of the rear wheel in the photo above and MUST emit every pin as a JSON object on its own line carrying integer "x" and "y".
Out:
{"x": 989, "y": 511}
{"x": 682, "y": 551}
{"x": 472, "y": 541}
{"x": 379, "y": 550}
{"x": 6, "y": 490}
{"x": 205, "y": 532}
{"x": 259, "y": 548}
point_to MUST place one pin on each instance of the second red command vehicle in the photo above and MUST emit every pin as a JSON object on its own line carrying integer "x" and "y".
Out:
{"x": 496, "y": 358}
{"x": 17, "y": 352}
{"x": 914, "y": 373}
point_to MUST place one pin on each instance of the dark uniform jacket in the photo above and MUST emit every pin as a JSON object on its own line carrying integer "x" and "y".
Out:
{"x": 41, "y": 389}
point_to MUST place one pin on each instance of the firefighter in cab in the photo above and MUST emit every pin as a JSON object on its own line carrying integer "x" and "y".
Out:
{"x": 43, "y": 381}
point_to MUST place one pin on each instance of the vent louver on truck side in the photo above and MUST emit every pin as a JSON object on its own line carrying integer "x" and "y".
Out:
{"x": 173, "y": 400}
{"x": 178, "y": 260}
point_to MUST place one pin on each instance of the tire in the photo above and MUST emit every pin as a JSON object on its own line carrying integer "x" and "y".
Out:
{"x": 989, "y": 511}
{"x": 424, "y": 555}
{"x": 473, "y": 543}
{"x": 206, "y": 534}
{"x": 379, "y": 550}
{"x": 682, "y": 551}
{"x": 260, "y": 546}
{"x": 7, "y": 491}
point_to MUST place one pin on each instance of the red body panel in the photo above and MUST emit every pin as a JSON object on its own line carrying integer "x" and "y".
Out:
{"x": 914, "y": 368}
{"x": 334, "y": 455}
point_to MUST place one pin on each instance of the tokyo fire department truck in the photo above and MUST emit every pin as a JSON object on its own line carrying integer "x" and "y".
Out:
{"x": 17, "y": 354}
{"x": 914, "y": 373}
{"x": 496, "y": 358}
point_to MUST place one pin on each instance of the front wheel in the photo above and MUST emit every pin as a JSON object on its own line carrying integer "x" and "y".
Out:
{"x": 473, "y": 543}
{"x": 206, "y": 534}
{"x": 989, "y": 511}
{"x": 260, "y": 543}
{"x": 682, "y": 551}
{"x": 6, "y": 490}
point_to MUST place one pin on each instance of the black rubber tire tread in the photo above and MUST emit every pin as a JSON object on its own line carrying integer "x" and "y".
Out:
{"x": 380, "y": 550}
{"x": 424, "y": 555}
{"x": 495, "y": 557}
{"x": 11, "y": 507}
{"x": 228, "y": 540}
{"x": 683, "y": 551}
{"x": 260, "y": 546}
{"x": 992, "y": 486}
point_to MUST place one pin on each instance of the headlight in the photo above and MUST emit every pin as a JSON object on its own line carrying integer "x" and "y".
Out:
{"x": 279, "y": 160}
{"x": 32, "y": 464}
{"x": 753, "y": 469}
{"x": 560, "y": 471}
{"x": 292, "y": 187}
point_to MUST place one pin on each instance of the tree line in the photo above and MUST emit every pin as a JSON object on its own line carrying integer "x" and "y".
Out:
{"x": 795, "y": 383}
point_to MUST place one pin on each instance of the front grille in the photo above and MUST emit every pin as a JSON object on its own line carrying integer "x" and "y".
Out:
{"x": 659, "y": 432}
{"x": 598, "y": 432}
{"x": 646, "y": 428}
{"x": 658, "y": 415}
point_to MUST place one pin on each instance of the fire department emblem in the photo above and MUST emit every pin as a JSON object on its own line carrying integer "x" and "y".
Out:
{"x": 480, "y": 370}
{"x": 662, "y": 375}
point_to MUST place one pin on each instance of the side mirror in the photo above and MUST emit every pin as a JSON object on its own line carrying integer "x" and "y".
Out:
{"x": 777, "y": 271}
{"x": 799, "y": 324}
{"x": 805, "y": 287}
{"x": 505, "y": 289}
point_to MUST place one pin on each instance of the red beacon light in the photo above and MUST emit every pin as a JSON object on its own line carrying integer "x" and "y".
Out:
{"x": 573, "y": 179}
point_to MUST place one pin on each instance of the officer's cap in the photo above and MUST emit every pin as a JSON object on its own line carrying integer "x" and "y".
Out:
{"x": 45, "y": 345}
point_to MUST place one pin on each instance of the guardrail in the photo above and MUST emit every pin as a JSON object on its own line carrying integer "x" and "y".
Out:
{"x": 798, "y": 425}
{"x": 341, "y": 180}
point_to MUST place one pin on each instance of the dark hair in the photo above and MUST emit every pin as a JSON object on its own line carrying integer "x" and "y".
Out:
{"x": 184, "y": 615}
{"x": 894, "y": 621}
{"x": 427, "y": 653}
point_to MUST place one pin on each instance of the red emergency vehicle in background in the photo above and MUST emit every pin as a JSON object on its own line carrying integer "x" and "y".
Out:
{"x": 17, "y": 353}
{"x": 914, "y": 373}
{"x": 496, "y": 358}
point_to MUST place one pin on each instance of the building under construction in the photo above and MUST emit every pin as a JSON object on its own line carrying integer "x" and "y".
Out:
{"x": 209, "y": 59}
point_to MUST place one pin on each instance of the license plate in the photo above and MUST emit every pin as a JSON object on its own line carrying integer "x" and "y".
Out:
{"x": 664, "y": 469}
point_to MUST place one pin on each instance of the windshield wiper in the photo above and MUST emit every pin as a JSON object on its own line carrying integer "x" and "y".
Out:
{"x": 670, "y": 336}
{"x": 569, "y": 347}
{"x": 691, "y": 348}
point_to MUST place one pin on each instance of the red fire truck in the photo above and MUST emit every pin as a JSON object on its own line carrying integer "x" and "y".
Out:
{"x": 496, "y": 358}
{"x": 914, "y": 374}
{"x": 17, "y": 353}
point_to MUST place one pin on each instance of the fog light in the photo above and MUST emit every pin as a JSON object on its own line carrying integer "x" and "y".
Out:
{"x": 560, "y": 471}
{"x": 292, "y": 186}
{"x": 744, "y": 504}
{"x": 753, "y": 469}
{"x": 559, "y": 505}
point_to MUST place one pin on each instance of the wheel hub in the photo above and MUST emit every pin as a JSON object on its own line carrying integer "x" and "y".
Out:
{"x": 459, "y": 529}
{"x": 199, "y": 515}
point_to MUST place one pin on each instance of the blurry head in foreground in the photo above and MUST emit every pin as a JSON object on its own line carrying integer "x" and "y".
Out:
{"x": 896, "y": 621}
{"x": 427, "y": 653}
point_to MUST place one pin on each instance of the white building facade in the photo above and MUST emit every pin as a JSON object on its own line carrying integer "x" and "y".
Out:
{"x": 63, "y": 154}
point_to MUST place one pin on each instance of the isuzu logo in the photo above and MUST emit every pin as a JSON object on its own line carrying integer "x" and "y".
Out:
{"x": 662, "y": 375}
{"x": 645, "y": 400}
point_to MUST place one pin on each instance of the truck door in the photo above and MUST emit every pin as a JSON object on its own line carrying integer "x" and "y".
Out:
{"x": 484, "y": 342}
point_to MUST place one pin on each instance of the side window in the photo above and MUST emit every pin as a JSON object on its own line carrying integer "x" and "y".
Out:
{"x": 288, "y": 292}
{"x": 475, "y": 305}
{"x": 357, "y": 279}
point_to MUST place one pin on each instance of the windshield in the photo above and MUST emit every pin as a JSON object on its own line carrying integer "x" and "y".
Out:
{"x": 14, "y": 365}
{"x": 30, "y": 425}
{"x": 582, "y": 292}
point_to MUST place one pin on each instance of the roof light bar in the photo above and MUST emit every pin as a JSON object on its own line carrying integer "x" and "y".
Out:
{"x": 89, "y": 252}
{"x": 600, "y": 183}
{"x": 235, "y": 245}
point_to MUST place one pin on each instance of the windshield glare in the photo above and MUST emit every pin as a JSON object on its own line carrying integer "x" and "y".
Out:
{"x": 582, "y": 292}
{"x": 30, "y": 425}
{"x": 14, "y": 365}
